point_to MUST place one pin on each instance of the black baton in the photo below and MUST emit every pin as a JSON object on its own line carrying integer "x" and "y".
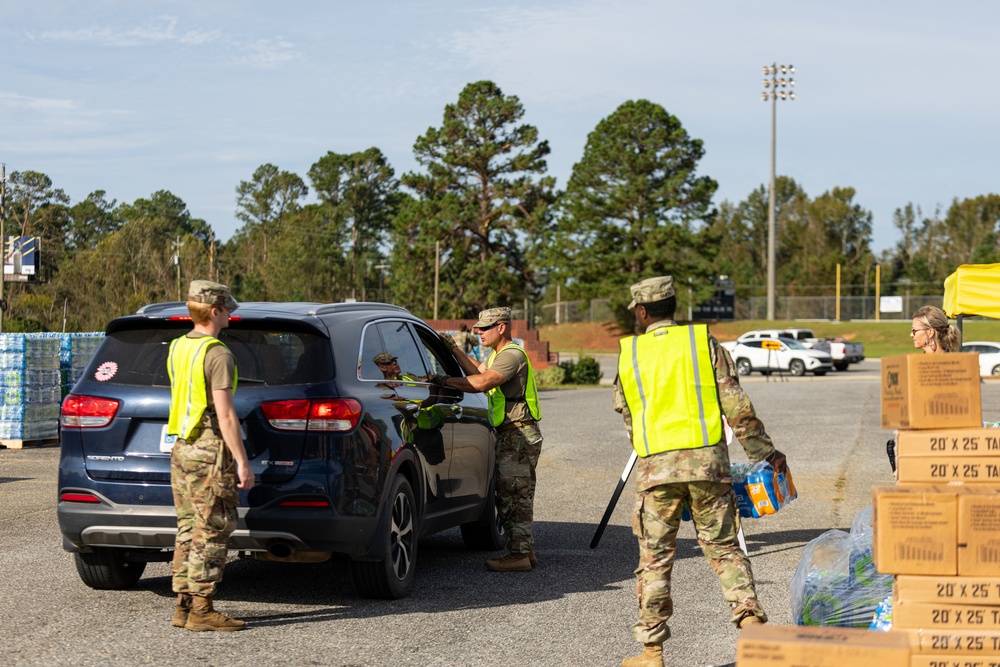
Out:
{"x": 614, "y": 500}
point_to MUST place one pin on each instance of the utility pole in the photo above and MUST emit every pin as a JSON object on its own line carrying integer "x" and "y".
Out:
{"x": 177, "y": 262}
{"x": 437, "y": 274}
{"x": 772, "y": 93}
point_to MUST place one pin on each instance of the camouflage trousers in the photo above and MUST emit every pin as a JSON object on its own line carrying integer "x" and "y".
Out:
{"x": 655, "y": 522}
{"x": 203, "y": 478}
{"x": 517, "y": 456}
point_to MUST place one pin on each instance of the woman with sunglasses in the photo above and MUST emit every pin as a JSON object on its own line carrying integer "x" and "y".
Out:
{"x": 932, "y": 333}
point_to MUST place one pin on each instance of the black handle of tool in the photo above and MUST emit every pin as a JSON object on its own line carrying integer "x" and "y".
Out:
{"x": 890, "y": 450}
{"x": 614, "y": 500}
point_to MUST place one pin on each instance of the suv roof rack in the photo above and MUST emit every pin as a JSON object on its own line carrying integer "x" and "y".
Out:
{"x": 156, "y": 307}
{"x": 322, "y": 309}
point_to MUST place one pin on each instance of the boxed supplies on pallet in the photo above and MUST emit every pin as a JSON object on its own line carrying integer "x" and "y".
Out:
{"x": 944, "y": 470}
{"x": 944, "y": 616}
{"x": 796, "y": 646}
{"x": 979, "y": 643}
{"x": 949, "y": 442}
{"x": 923, "y": 391}
{"x": 944, "y": 529}
{"x": 953, "y": 590}
{"x": 916, "y": 530}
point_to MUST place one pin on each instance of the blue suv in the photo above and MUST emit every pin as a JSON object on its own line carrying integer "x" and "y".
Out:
{"x": 348, "y": 459}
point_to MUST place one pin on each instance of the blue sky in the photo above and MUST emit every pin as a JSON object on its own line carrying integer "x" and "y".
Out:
{"x": 897, "y": 99}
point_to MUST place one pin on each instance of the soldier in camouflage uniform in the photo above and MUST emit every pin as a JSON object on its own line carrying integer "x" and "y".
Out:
{"x": 208, "y": 462}
{"x": 509, "y": 381}
{"x": 697, "y": 476}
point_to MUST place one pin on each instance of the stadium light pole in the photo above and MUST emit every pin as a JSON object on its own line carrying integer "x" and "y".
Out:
{"x": 774, "y": 88}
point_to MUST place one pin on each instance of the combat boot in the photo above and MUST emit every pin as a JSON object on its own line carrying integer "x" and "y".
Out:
{"x": 510, "y": 563}
{"x": 203, "y": 617}
{"x": 651, "y": 656}
{"x": 182, "y": 611}
{"x": 532, "y": 559}
{"x": 749, "y": 620}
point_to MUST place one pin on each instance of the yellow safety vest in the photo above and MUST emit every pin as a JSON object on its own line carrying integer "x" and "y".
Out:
{"x": 188, "y": 395}
{"x": 669, "y": 385}
{"x": 498, "y": 402}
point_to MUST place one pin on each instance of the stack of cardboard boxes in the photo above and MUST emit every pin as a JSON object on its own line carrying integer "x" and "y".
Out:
{"x": 938, "y": 529}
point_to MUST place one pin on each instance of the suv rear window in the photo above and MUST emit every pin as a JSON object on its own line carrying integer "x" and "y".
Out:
{"x": 272, "y": 356}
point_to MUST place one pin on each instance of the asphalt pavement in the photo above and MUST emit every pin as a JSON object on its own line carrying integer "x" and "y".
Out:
{"x": 575, "y": 609}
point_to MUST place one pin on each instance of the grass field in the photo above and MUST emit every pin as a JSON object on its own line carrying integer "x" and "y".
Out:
{"x": 881, "y": 339}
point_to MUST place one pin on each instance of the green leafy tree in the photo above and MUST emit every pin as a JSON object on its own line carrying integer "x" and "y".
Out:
{"x": 169, "y": 214}
{"x": 971, "y": 231}
{"x": 264, "y": 204}
{"x": 91, "y": 220}
{"x": 635, "y": 207}
{"x": 839, "y": 232}
{"x": 484, "y": 196}
{"x": 130, "y": 267}
{"x": 265, "y": 200}
{"x": 361, "y": 194}
{"x": 744, "y": 232}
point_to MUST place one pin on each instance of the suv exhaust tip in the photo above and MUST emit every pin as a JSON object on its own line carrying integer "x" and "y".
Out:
{"x": 285, "y": 552}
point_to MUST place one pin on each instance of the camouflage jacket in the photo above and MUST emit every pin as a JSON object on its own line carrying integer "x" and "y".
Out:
{"x": 706, "y": 463}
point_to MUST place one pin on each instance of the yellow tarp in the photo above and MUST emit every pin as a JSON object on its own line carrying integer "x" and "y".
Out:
{"x": 974, "y": 289}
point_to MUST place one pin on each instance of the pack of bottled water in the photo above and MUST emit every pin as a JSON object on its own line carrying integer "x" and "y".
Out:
{"x": 22, "y": 430}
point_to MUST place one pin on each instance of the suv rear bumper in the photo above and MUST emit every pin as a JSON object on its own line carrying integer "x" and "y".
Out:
{"x": 86, "y": 526}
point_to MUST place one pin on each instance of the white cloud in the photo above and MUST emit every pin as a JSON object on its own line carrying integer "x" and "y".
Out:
{"x": 157, "y": 30}
{"x": 15, "y": 101}
{"x": 267, "y": 53}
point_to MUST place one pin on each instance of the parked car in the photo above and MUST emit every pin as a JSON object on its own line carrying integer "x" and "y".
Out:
{"x": 346, "y": 461}
{"x": 989, "y": 355}
{"x": 790, "y": 355}
{"x": 844, "y": 353}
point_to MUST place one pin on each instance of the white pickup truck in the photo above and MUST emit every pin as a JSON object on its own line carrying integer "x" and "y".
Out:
{"x": 843, "y": 352}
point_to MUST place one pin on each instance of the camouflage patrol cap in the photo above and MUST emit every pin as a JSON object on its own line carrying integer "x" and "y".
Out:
{"x": 383, "y": 358}
{"x": 216, "y": 294}
{"x": 651, "y": 290}
{"x": 491, "y": 316}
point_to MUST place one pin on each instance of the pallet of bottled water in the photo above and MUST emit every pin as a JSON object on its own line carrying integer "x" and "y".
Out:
{"x": 30, "y": 389}
{"x": 75, "y": 352}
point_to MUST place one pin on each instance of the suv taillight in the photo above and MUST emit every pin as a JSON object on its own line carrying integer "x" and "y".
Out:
{"x": 331, "y": 415}
{"x": 87, "y": 411}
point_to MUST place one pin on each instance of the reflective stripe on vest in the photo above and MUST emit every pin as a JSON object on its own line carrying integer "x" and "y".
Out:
{"x": 498, "y": 402}
{"x": 669, "y": 385}
{"x": 188, "y": 395}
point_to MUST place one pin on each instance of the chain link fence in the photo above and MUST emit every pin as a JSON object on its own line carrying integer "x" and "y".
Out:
{"x": 751, "y": 308}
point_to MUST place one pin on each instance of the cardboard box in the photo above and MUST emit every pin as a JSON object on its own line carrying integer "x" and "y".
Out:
{"x": 950, "y": 442}
{"x": 931, "y": 391}
{"x": 944, "y": 616}
{"x": 953, "y": 661}
{"x": 978, "y": 533}
{"x": 945, "y": 470}
{"x": 915, "y": 530}
{"x": 954, "y": 590}
{"x": 979, "y": 643}
{"x": 815, "y": 646}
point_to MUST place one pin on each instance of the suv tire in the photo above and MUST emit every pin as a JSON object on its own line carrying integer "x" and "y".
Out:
{"x": 107, "y": 569}
{"x": 392, "y": 577}
{"x": 743, "y": 367}
{"x": 486, "y": 534}
{"x": 797, "y": 367}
